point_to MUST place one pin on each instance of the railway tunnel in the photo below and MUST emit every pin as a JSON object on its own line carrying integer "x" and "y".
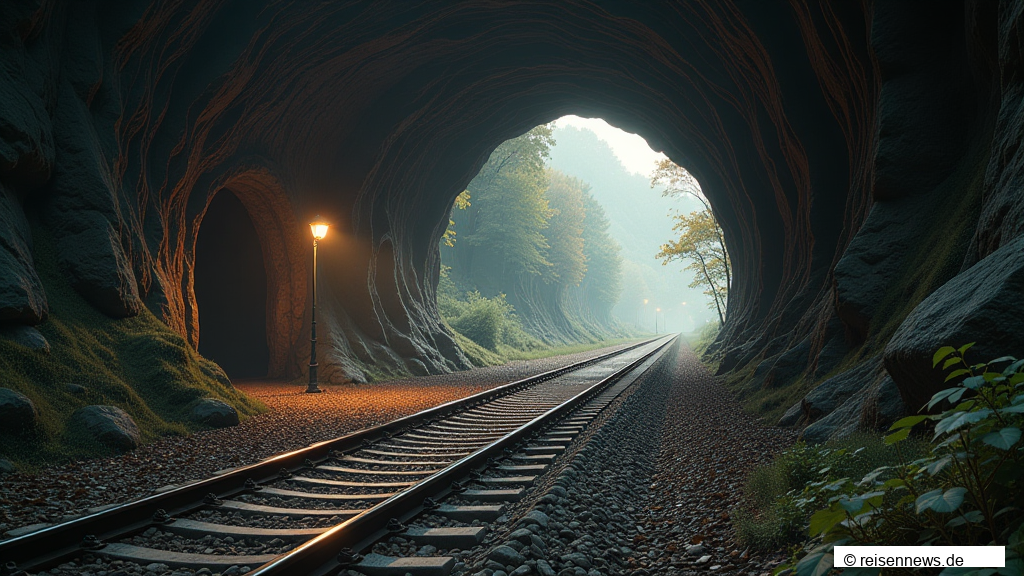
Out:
{"x": 827, "y": 138}
{"x": 160, "y": 163}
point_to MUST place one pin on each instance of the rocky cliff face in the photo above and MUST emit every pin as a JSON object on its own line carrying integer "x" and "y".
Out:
{"x": 862, "y": 158}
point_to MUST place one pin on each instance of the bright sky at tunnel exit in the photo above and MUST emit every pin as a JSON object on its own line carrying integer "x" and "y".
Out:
{"x": 631, "y": 149}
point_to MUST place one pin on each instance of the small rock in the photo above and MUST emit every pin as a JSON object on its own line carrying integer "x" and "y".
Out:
{"x": 578, "y": 559}
{"x": 545, "y": 569}
{"x": 521, "y": 571}
{"x": 695, "y": 550}
{"x": 27, "y": 336}
{"x": 6, "y": 466}
{"x": 109, "y": 425}
{"x": 535, "y": 517}
{"x": 157, "y": 567}
{"x": 215, "y": 413}
{"x": 704, "y": 559}
{"x": 75, "y": 388}
{"x": 506, "y": 556}
{"x": 522, "y": 535}
{"x": 17, "y": 412}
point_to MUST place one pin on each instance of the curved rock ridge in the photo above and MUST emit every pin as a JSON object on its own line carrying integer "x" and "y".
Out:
{"x": 858, "y": 155}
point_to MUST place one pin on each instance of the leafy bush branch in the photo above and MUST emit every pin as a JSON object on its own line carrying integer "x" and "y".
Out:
{"x": 966, "y": 491}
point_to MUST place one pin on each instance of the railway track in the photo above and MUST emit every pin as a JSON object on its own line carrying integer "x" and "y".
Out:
{"x": 312, "y": 511}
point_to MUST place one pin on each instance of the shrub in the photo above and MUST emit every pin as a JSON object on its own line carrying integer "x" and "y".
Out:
{"x": 967, "y": 491}
{"x": 774, "y": 510}
{"x": 483, "y": 319}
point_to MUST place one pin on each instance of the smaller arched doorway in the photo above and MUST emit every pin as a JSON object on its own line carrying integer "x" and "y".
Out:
{"x": 231, "y": 289}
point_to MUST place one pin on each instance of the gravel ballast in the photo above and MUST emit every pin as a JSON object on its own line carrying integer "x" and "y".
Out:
{"x": 649, "y": 492}
{"x": 295, "y": 420}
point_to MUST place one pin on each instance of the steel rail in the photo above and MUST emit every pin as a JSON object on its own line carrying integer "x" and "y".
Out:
{"x": 318, "y": 556}
{"x": 63, "y": 541}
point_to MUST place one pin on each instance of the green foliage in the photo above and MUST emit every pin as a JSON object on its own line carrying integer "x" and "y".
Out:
{"x": 461, "y": 203}
{"x": 510, "y": 212}
{"x": 483, "y": 320}
{"x": 564, "y": 233}
{"x": 775, "y": 509}
{"x": 603, "y": 281}
{"x": 137, "y": 364}
{"x": 538, "y": 237}
{"x": 490, "y": 323}
{"x": 966, "y": 491}
{"x": 700, "y": 242}
{"x": 701, "y": 239}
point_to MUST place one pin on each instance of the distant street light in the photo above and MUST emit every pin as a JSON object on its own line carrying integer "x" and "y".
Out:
{"x": 319, "y": 229}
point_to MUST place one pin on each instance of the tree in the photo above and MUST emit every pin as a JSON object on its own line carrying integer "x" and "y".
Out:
{"x": 678, "y": 182}
{"x": 461, "y": 203}
{"x": 564, "y": 233}
{"x": 699, "y": 242}
{"x": 603, "y": 281}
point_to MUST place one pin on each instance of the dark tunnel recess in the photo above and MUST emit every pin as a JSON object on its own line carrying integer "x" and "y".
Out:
{"x": 231, "y": 290}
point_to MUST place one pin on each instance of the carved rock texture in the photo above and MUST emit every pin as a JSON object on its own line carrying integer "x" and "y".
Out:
{"x": 858, "y": 155}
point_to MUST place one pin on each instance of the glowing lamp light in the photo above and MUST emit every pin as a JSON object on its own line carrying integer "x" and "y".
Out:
{"x": 645, "y": 300}
{"x": 319, "y": 228}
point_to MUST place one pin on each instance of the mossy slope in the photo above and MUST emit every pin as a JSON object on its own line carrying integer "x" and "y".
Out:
{"x": 137, "y": 363}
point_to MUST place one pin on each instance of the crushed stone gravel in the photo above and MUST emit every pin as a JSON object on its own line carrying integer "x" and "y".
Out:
{"x": 659, "y": 475}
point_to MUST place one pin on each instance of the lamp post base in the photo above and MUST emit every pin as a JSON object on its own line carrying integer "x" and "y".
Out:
{"x": 314, "y": 386}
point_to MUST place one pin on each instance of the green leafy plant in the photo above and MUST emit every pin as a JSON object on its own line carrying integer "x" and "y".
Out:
{"x": 775, "y": 508}
{"x": 967, "y": 491}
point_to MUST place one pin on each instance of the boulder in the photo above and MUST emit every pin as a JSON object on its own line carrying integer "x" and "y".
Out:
{"x": 215, "y": 413}
{"x": 872, "y": 408}
{"x": 792, "y": 416}
{"x": 833, "y": 392}
{"x": 22, "y": 299}
{"x": 7, "y": 467}
{"x": 26, "y": 336}
{"x": 109, "y": 425}
{"x": 85, "y": 215}
{"x": 841, "y": 422}
{"x": 17, "y": 412}
{"x": 982, "y": 304}
{"x": 873, "y": 261}
{"x": 26, "y": 148}
{"x": 789, "y": 365}
{"x": 882, "y": 406}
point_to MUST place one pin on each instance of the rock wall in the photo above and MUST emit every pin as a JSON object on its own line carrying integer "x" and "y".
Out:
{"x": 858, "y": 155}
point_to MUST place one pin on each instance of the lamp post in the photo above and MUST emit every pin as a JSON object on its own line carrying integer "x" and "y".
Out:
{"x": 656, "y": 311}
{"x": 319, "y": 228}
{"x": 644, "y": 319}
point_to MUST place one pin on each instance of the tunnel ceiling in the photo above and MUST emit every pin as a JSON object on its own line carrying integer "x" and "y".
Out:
{"x": 810, "y": 125}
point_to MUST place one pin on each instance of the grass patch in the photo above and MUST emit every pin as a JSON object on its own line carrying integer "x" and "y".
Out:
{"x": 137, "y": 364}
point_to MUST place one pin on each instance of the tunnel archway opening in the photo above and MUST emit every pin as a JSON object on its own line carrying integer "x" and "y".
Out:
{"x": 231, "y": 289}
{"x": 564, "y": 224}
